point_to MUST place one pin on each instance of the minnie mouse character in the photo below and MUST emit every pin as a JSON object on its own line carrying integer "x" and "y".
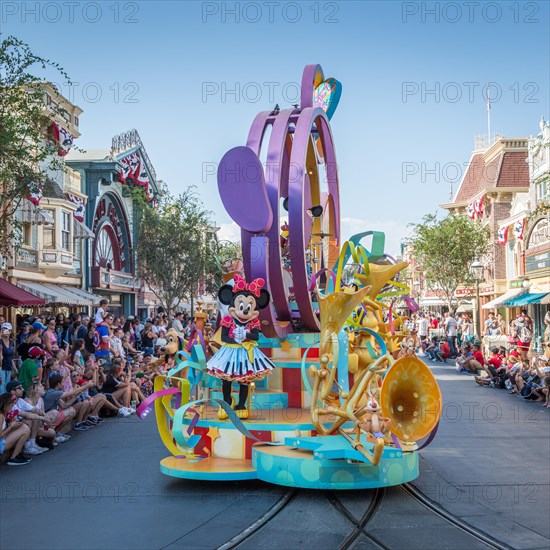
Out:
{"x": 239, "y": 359}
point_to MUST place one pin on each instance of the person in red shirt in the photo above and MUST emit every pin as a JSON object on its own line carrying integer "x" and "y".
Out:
{"x": 495, "y": 360}
{"x": 434, "y": 323}
{"x": 444, "y": 346}
{"x": 477, "y": 361}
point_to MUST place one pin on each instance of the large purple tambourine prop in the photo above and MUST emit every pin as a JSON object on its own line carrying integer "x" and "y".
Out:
{"x": 242, "y": 189}
{"x": 301, "y": 173}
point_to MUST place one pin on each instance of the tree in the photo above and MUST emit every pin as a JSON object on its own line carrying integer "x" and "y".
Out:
{"x": 172, "y": 247}
{"x": 26, "y": 153}
{"x": 446, "y": 248}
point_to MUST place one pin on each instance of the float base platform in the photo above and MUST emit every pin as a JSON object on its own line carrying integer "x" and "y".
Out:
{"x": 211, "y": 469}
{"x": 307, "y": 463}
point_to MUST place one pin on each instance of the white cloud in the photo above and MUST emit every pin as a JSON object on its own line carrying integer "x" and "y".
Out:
{"x": 229, "y": 232}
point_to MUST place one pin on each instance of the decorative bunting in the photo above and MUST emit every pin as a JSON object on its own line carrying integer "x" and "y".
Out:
{"x": 80, "y": 211}
{"x": 63, "y": 138}
{"x": 132, "y": 167}
{"x": 503, "y": 235}
{"x": 519, "y": 226}
{"x": 34, "y": 192}
{"x": 471, "y": 211}
{"x": 478, "y": 206}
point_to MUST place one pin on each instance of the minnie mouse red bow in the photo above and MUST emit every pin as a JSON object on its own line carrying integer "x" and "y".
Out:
{"x": 255, "y": 286}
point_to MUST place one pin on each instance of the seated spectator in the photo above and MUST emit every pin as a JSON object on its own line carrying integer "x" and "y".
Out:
{"x": 106, "y": 402}
{"x": 46, "y": 434}
{"x": 527, "y": 381}
{"x": 76, "y": 357}
{"x": 442, "y": 351}
{"x": 29, "y": 415}
{"x": 31, "y": 369}
{"x": 64, "y": 369}
{"x": 119, "y": 385}
{"x": 161, "y": 340}
{"x": 89, "y": 338}
{"x": 57, "y": 407}
{"x": 115, "y": 344}
{"x": 463, "y": 358}
{"x": 476, "y": 363}
{"x": 33, "y": 339}
{"x": 546, "y": 391}
{"x": 429, "y": 347}
{"x": 148, "y": 337}
{"x": 87, "y": 406}
{"x": 13, "y": 433}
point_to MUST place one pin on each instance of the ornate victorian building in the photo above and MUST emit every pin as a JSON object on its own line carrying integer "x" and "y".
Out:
{"x": 495, "y": 175}
{"x": 50, "y": 261}
{"x": 109, "y": 176}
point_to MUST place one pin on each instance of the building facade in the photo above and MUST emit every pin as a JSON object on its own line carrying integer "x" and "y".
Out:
{"x": 525, "y": 236}
{"x": 108, "y": 176}
{"x": 496, "y": 174}
{"x": 50, "y": 260}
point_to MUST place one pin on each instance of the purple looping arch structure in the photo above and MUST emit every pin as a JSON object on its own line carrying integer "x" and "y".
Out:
{"x": 291, "y": 171}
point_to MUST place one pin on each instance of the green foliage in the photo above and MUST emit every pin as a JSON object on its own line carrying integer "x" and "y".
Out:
{"x": 446, "y": 248}
{"x": 172, "y": 248}
{"x": 224, "y": 257}
{"x": 26, "y": 154}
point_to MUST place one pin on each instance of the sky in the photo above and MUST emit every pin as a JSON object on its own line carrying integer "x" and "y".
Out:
{"x": 191, "y": 76}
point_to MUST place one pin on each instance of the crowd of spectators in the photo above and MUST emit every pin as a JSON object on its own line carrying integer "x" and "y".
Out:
{"x": 504, "y": 367}
{"x": 60, "y": 374}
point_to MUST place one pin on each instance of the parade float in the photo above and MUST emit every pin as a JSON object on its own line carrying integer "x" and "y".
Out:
{"x": 333, "y": 396}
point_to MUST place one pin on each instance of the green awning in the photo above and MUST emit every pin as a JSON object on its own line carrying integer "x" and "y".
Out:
{"x": 525, "y": 299}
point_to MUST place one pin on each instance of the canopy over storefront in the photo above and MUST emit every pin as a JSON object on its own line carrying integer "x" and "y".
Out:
{"x": 500, "y": 300}
{"x": 526, "y": 299}
{"x": 58, "y": 294}
{"x": 11, "y": 295}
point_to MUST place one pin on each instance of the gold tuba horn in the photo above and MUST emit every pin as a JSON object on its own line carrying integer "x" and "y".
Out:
{"x": 411, "y": 399}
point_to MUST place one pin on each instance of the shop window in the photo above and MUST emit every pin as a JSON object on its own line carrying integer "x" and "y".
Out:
{"x": 65, "y": 230}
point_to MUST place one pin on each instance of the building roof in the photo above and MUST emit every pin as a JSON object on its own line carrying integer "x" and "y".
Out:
{"x": 90, "y": 154}
{"x": 489, "y": 170}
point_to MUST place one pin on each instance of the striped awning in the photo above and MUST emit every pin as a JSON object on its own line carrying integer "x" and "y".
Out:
{"x": 526, "y": 299}
{"x": 55, "y": 294}
{"x": 92, "y": 298}
{"x": 499, "y": 301}
{"x": 35, "y": 214}
{"x": 82, "y": 231}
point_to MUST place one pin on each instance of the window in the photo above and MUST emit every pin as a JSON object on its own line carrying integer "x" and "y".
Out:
{"x": 542, "y": 190}
{"x": 76, "y": 121}
{"x": 510, "y": 260}
{"x": 27, "y": 234}
{"x": 49, "y": 232}
{"x": 65, "y": 230}
{"x": 77, "y": 249}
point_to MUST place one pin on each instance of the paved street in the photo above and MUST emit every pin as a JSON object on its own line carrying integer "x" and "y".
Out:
{"x": 103, "y": 489}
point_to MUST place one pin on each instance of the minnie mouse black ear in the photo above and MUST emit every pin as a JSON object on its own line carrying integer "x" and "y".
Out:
{"x": 225, "y": 294}
{"x": 285, "y": 204}
{"x": 263, "y": 300}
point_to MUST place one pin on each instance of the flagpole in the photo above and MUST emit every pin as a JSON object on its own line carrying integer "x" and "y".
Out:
{"x": 488, "y": 116}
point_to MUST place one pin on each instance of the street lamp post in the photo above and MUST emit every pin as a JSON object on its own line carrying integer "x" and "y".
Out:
{"x": 476, "y": 269}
